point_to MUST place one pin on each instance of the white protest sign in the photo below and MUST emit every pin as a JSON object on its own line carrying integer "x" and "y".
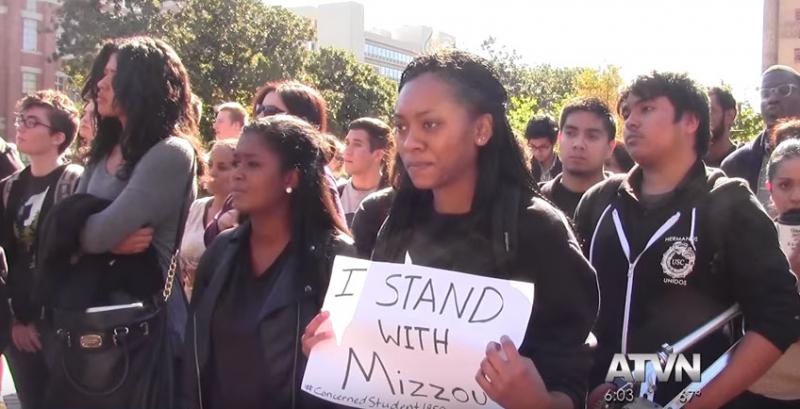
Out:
{"x": 408, "y": 336}
{"x": 788, "y": 235}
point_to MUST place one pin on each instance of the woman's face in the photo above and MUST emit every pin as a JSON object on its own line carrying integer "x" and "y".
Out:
{"x": 437, "y": 137}
{"x": 258, "y": 184}
{"x": 272, "y": 104}
{"x": 106, "y": 102}
{"x": 220, "y": 170}
{"x": 785, "y": 186}
{"x": 86, "y": 129}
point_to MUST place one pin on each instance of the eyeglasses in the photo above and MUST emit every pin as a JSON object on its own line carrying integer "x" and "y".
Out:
{"x": 783, "y": 90}
{"x": 268, "y": 110}
{"x": 29, "y": 122}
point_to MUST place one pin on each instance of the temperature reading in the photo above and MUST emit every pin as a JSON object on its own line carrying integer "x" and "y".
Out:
{"x": 687, "y": 396}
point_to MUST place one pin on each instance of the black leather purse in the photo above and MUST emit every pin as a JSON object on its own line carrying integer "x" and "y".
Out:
{"x": 116, "y": 356}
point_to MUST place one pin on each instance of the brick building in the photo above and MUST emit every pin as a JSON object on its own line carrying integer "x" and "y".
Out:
{"x": 27, "y": 42}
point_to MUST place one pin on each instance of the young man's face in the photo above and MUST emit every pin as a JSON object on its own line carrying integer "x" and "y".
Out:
{"x": 224, "y": 127}
{"x": 585, "y": 144}
{"x": 721, "y": 120}
{"x": 651, "y": 133}
{"x": 541, "y": 148}
{"x": 780, "y": 97}
{"x": 358, "y": 158}
{"x": 40, "y": 138}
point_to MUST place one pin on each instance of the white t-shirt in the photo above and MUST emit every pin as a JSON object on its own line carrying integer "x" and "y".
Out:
{"x": 351, "y": 199}
{"x": 192, "y": 244}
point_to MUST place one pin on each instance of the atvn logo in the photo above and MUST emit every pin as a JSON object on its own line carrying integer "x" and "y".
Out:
{"x": 676, "y": 363}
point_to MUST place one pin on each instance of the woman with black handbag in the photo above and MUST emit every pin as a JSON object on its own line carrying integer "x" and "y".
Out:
{"x": 113, "y": 309}
{"x": 259, "y": 285}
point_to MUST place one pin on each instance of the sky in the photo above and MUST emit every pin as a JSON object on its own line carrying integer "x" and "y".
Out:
{"x": 715, "y": 41}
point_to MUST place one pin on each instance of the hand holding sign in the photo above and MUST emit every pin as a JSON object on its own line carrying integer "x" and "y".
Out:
{"x": 311, "y": 337}
{"x": 401, "y": 336}
{"x": 794, "y": 261}
{"x": 510, "y": 379}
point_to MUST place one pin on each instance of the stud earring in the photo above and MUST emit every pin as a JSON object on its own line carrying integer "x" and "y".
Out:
{"x": 289, "y": 190}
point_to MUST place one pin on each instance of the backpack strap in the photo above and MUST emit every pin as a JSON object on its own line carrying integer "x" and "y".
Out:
{"x": 67, "y": 182}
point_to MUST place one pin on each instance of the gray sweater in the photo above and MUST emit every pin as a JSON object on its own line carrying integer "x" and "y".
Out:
{"x": 154, "y": 195}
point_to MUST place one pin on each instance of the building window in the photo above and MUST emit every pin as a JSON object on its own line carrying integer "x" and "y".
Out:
{"x": 30, "y": 82}
{"x": 62, "y": 82}
{"x": 30, "y": 34}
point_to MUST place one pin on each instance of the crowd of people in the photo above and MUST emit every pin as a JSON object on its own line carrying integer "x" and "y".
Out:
{"x": 144, "y": 271}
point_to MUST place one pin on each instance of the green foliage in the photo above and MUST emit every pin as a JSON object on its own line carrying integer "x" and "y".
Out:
{"x": 230, "y": 48}
{"x": 543, "y": 83}
{"x": 604, "y": 83}
{"x": 520, "y": 111}
{"x": 748, "y": 124}
{"x": 85, "y": 24}
{"x": 352, "y": 90}
{"x": 545, "y": 89}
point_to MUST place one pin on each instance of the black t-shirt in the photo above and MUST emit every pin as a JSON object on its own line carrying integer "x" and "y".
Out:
{"x": 443, "y": 241}
{"x": 237, "y": 373}
{"x": 30, "y": 198}
{"x": 565, "y": 199}
{"x": 34, "y": 193}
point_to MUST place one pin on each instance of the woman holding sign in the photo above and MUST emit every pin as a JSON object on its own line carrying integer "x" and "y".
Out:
{"x": 780, "y": 386}
{"x": 258, "y": 285}
{"x": 466, "y": 202}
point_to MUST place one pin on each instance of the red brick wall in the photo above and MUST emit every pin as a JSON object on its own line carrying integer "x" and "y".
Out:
{"x": 13, "y": 58}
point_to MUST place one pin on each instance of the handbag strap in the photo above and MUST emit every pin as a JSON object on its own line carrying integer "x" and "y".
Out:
{"x": 173, "y": 264}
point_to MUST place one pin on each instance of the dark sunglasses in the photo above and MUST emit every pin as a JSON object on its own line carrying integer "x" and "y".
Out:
{"x": 268, "y": 110}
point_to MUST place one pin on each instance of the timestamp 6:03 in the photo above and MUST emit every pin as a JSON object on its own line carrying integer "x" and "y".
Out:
{"x": 624, "y": 395}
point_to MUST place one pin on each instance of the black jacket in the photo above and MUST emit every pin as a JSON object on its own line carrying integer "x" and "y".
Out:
{"x": 21, "y": 275}
{"x": 716, "y": 247}
{"x": 536, "y": 171}
{"x": 67, "y": 279}
{"x": 283, "y": 318}
{"x": 369, "y": 218}
{"x": 526, "y": 239}
{"x": 746, "y": 161}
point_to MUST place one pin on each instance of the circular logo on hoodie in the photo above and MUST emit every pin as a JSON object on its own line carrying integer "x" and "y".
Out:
{"x": 678, "y": 261}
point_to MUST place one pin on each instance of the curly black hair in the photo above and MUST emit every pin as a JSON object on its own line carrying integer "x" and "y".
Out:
{"x": 152, "y": 87}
